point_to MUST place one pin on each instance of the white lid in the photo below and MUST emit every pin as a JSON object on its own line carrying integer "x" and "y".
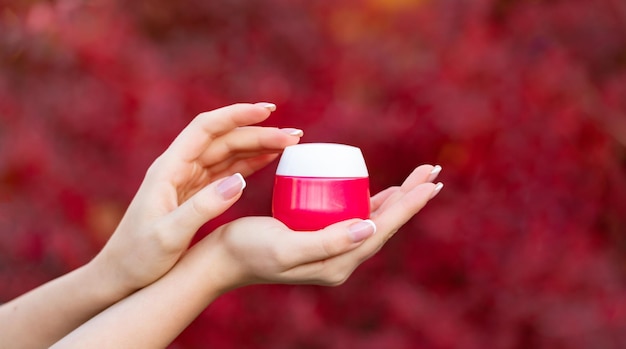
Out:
{"x": 322, "y": 160}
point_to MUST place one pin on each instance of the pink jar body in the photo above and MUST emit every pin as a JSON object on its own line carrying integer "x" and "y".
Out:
{"x": 313, "y": 203}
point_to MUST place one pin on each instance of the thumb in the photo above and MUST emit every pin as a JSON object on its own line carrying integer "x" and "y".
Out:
{"x": 207, "y": 204}
{"x": 334, "y": 240}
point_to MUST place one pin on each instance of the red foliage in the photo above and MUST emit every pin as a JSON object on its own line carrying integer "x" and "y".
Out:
{"x": 522, "y": 103}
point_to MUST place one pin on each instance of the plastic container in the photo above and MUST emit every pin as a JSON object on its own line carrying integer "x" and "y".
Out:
{"x": 318, "y": 184}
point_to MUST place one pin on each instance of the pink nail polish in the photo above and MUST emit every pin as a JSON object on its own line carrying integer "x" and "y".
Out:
{"x": 231, "y": 186}
{"x": 437, "y": 189}
{"x": 266, "y": 105}
{"x": 293, "y": 131}
{"x": 362, "y": 230}
{"x": 434, "y": 173}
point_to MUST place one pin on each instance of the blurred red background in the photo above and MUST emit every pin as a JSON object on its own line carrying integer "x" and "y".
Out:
{"x": 523, "y": 103}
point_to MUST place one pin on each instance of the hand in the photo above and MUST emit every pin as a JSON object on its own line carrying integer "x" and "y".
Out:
{"x": 197, "y": 178}
{"x": 263, "y": 250}
{"x": 248, "y": 251}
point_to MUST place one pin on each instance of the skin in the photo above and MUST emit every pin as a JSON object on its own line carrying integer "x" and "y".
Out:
{"x": 177, "y": 195}
{"x": 128, "y": 291}
{"x": 251, "y": 250}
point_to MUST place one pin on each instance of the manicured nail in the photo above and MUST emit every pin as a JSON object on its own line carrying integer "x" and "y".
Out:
{"x": 361, "y": 230}
{"x": 434, "y": 173}
{"x": 231, "y": 186}
{"x": 266, "y": 105}
{"x": 293, "y": 131}
{"x": 437, "y": 189}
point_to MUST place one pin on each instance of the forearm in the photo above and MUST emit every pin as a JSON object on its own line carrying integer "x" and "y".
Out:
{"x": 154, "y": 316}
{"x": 44, "y": 315}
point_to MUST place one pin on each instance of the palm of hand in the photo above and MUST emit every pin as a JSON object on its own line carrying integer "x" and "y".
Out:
{"x": 179, "y": 192}
{"x": 264, "y": 250}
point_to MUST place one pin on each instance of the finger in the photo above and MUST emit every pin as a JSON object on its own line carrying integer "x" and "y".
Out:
{"x": 377, "y": 200}
{"x": 399, "y": 212}
{"x": 204, "y": 205}
{"x": 244, "y": 166}
{"x": 330, "y": 263}
{"x": 249, "y": 140}
{"x": 335, "y": 269}
{"x": 336, "y": 239}
{"x": 205, "y": 127}
{"x": 329, "y": 272}
{"x": 387, "y": 223}
{"x": 421, "y": 174}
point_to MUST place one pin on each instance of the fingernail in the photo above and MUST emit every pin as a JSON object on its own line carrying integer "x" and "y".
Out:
{"x": 266, "y": 105}
{"x": 361, "y": 230}
{"x": 437, "y": 189}
{"x": 434, "y": 173}
{"x": 231, "y": 186}
{"x": 293, "y": 131}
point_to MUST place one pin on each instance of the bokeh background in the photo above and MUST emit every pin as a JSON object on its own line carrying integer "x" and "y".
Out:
{"x": 523, "y": 103}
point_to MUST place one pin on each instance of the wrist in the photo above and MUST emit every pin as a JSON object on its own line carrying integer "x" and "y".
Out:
{"x": 104, "y": 282}
{"x": 213, "y": 266}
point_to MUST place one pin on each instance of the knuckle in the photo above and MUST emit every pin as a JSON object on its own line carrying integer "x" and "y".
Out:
{"x": 329, "y": 248}
{"x": 336, "y": 277}
{"x": 336, "y": 280}
{"x": 387, "y": 238}
{"x": 154, "y": 168}
{"x": 281, "y": 257}
{"x": 162, "y": 237}
{"x": 204, "y": 115}
{"x": 199, "y": 208}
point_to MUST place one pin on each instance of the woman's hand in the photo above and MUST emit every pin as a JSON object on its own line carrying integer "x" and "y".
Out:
{"x": 263, "y": 250}
{"x": 248, "y": 251}
{"x": 197, "y": 178}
